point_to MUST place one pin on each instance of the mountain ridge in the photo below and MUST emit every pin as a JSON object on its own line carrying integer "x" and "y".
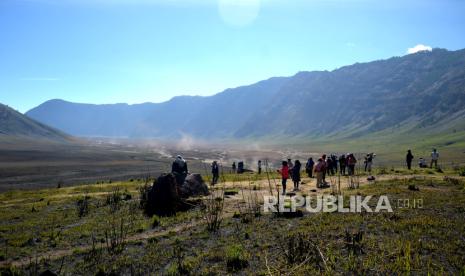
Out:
{"x": 14, "y": 125}
{"x": 419, "y": 89}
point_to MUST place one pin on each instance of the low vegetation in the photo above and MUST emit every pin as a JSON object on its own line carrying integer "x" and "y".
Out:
{"x": 103, "y": 229}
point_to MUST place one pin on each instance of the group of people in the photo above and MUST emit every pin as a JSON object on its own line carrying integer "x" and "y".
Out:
{"x": 332, "y": 164}
{"x": 422, "y": 161}
{"x": 329, "y": 165}
{"x": 325, "y": 165}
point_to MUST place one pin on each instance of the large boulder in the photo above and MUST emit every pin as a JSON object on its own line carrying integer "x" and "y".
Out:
{"x": 193, "y": 186}
{"x": 163, "y": 198}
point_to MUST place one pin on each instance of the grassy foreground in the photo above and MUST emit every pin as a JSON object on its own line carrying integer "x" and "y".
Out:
{"x": 99, "y": 228}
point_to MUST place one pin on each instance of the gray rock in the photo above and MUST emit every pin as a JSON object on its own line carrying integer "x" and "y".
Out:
{"x": 193, "y": 186}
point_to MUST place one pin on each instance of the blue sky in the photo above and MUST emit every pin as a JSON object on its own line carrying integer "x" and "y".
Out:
{"x": 134, "y": 51}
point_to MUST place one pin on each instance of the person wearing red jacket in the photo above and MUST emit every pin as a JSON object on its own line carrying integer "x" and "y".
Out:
{"x": 284, "y": 171}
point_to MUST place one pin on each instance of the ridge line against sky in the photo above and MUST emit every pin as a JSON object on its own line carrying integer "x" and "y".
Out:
{"x": 418, "y": 48}
{"x": 103, "y": 51}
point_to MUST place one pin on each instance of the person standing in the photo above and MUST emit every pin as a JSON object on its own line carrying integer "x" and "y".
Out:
{"x": 259, "y": 166}
{"x": 234, "y": 167}
{"x": 215, "y": 172}
{"x": 179, "y": 169}
{"x": 369, "y": 160}
{"x": 329, "y": 166}
{"x": 408, "y": 159}
{"x": 290, "y": 165}
{"x": 334, "y": 162}
{"x": 284, "y": 171}
{"x": 319, "y": 169}
{"x": 351, "y": 161}
{"x": 296, "y": 174}
{"x": 309, "y": 167}
{"x": 325, "y": 165}
{"x": 342, "y": 164}
{"x": 434, "y": 159}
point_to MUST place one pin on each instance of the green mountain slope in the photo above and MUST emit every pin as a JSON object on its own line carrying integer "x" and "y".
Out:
{"x": 14, "y": 125}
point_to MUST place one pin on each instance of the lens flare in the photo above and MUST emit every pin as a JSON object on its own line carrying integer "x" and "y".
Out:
{"x": 238, "y": 13}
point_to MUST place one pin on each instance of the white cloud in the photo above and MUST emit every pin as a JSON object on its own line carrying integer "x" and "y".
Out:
{"x": 419, "y": 48}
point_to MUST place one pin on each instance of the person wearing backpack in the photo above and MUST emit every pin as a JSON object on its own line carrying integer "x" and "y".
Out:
{"x": 296, "y": 174}
{"x": 351, "y": 161}
{"x": 179, "y": 169}
{"x": 284, "y": 171}
{"x": 369, "y": 160}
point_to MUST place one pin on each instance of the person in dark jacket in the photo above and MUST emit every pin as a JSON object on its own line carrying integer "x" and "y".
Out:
{"x": 323, "y": 158}
{"x": 215, "y": 172}
{"x": 179, "y": 169}
{"x": 351, "y": 161}
{"x": 342, "y": 164}
{"x": 259, "y": 166}
{"x": 296, "y": 174}
{"x": 334, "y": 162}
{"x": 234, "y": 167}
{"x": 309, "y": 167}
{"x": 329, "y": 166}
{"x": 409, "y": 159}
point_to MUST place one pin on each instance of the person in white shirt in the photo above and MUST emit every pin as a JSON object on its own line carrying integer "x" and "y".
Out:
{"x": 434, "y": 158}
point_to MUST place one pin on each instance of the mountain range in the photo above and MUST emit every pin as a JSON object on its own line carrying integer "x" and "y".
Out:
{"x": 422, "y": 91}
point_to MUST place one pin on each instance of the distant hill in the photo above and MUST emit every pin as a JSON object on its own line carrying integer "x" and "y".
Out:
{"x": 16, "y": 125}
{"x": 418, "y": 92}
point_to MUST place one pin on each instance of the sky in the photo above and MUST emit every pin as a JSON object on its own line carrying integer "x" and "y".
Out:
{"x": 135, "y": 51}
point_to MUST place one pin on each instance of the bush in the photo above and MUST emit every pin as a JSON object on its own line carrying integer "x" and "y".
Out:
{"x": 10, "y": 270}
{"x": 382, "y": 170}
{"x": 214, "y": 212}
{"x": 155, "y": 221}
{"x": 181, "y": 265}
{"x": 144, "y": 197}
{"x": 60, "y": 184}
{"x": 462, "y": 171}
{"x": 236, "y": 257}
{"x": 113, "y": 200}
{"x": 82, "y": 206}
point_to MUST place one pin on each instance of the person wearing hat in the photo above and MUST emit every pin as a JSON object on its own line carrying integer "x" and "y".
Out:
{"x": 179, "y": 169}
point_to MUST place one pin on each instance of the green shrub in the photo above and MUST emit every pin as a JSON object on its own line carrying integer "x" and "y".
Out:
{"x": 10, "y": 271}
{"x": 82, "y": 206}
{"x": 236, "y": 257}
{"x": 113, "y": 200}
{"x": 462, "y": 171}
{"x": 155, "y": 221}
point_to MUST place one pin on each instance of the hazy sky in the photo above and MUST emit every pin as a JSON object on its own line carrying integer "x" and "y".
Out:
{"x": 109, "y": 51}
